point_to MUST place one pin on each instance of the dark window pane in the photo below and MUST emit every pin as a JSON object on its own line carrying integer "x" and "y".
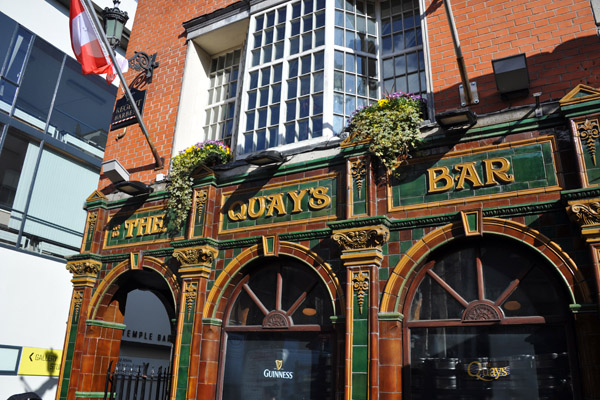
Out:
{"x": 39, "y": 83}
{"x": 83, "y": 107}
{"x": 490, "y": 362}
{"x": 11, "y": 163}
{"x": 7, "y": 28}
{"x": 16, "y": 55}
{"x": 307, "y": 358}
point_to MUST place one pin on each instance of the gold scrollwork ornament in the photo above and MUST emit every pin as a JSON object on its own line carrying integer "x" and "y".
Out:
{"x": 589, "y": 133}
{"x": 359, "y": 171}
{"x": 361, "y": 288}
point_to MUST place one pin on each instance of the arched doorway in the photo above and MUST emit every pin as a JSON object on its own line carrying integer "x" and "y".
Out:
{"x": 488, "y": 319}
{"x": 147, "y": 337}
{"x": 145, "y": 301}
{"x": 278, "y": 337}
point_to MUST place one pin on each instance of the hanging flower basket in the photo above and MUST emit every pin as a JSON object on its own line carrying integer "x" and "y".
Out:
{"x": 390, "y": 127}
{"x": 183, "y": 165}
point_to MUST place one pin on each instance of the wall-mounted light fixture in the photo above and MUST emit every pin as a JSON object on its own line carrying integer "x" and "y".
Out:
{"x": 454, "y": 120}
{"x": 113, "y": 170}
{"x": 114, "y": 22}
{"x": 133, "y": 188}
{"x": 512, "y": 76}
{"x": 265, "y": 157}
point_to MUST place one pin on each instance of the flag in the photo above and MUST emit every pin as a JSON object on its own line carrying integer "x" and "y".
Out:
{"x": 87, "y": 46}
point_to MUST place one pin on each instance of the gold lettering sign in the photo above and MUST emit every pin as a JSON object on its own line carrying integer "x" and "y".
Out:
{"x": 442, "y": 179}
{"x": 145, "y": 226}
{"x": 275, "y": 205}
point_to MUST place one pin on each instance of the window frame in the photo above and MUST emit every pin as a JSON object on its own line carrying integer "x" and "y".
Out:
{"x": 200, "y": 28}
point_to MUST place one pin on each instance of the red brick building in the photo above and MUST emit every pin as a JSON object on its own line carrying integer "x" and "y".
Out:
{"x": 303, "y": 269}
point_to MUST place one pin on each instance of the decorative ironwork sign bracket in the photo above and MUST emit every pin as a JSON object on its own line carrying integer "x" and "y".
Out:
{"x": 141, "y": 61}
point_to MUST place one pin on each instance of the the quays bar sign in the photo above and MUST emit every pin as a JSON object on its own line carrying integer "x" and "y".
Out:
{"x": 289, "y": 203}
{"x": 498, "y": 171}
{"x": 146, "y": 225}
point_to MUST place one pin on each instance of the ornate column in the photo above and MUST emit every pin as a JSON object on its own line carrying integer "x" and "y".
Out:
{"x": 196, "y": 263}
{"x": 362, "y": 255}
{"x": 85, "y": 272}
{"x": 586, "y": 214}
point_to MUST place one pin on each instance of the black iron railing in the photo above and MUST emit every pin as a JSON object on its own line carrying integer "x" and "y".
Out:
{"x": 135, "y": 383}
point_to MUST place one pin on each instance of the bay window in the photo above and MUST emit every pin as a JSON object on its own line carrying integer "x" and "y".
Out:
{"x": 305, "y": 66}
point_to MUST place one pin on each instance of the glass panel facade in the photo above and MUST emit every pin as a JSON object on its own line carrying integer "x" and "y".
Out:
{"x": 63, "y": 119}
{"x": 81, "y": 109}
{"x": 45, "y": 88}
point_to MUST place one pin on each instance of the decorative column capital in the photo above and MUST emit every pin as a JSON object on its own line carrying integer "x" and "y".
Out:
{"x": 586, "y": 214}
{"x": 84, "y": 272}
{"x": 362, "y": 246}
{"x": 196, "y": 261}
{"x": 368, "y": 237}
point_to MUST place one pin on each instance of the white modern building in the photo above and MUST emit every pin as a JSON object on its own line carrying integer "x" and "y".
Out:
{"x": 53, "y": 130}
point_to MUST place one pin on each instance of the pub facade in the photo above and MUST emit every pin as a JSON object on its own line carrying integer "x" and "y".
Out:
{"x": 304, "y": 268}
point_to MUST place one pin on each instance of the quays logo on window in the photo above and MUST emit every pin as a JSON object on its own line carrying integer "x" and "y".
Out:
{"x": 486, "y": 371}
{"x": 278, "y": 372}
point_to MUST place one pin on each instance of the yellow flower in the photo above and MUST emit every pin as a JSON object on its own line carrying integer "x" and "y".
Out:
{"x": 383, "y": 102}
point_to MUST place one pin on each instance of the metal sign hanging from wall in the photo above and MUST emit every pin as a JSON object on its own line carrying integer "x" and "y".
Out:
{"x": 123, "y": 115}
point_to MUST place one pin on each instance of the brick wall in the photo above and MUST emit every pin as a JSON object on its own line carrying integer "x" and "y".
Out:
{"x": 558, "y": 37}
{"x": 157, "y": 29}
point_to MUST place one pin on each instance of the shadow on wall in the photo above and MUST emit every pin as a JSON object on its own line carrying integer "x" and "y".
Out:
{"x": 553, "y": 74}
{"x": 52, "y": 360}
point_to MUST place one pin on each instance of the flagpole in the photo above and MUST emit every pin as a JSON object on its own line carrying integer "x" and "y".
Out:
{"x": 106, "y": 44}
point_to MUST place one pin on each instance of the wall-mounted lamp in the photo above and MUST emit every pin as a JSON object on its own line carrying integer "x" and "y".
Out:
{"x": 133, "y": 188}
{"x": 512, "y": 76}
{"x": 265, "y": 157}
{"x": 114, "y": 22}
{"x": 113, "y": 170}
{"x": 459, "y": 119}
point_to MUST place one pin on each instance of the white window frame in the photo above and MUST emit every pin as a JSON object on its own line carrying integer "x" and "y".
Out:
{"x": 206, "y": 34}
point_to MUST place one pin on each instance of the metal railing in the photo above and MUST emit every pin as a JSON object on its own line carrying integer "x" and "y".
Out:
{"x": 134, "y": 383}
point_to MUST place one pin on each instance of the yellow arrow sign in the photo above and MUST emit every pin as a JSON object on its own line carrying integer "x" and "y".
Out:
{"x": 40, "y": 362}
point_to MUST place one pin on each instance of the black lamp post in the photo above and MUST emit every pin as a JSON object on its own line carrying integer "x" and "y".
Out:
{"x": 114, "y": 21}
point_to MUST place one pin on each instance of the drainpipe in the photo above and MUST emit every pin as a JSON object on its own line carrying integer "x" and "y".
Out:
{"x": 459, "y": 57}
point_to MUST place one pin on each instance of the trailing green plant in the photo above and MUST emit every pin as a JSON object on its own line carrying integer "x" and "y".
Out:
{"x": 391, "y": 127}
{"x": 209, "y": 153}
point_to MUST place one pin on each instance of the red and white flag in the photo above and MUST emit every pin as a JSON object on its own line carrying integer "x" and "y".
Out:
{"x": 88, "y": 48}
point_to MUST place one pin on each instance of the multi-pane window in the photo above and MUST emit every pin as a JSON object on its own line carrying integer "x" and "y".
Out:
{"x": 224, "y": 75}
{"x": 402, "y": 47}
{"x": 355, "y": 82}
{"x": 284, "y": 92}
{"x": 309, "y": 64}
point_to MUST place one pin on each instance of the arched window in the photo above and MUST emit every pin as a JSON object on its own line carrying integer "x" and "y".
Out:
{"x": 279, "y": 335}
{"x": 488, "y": 320}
